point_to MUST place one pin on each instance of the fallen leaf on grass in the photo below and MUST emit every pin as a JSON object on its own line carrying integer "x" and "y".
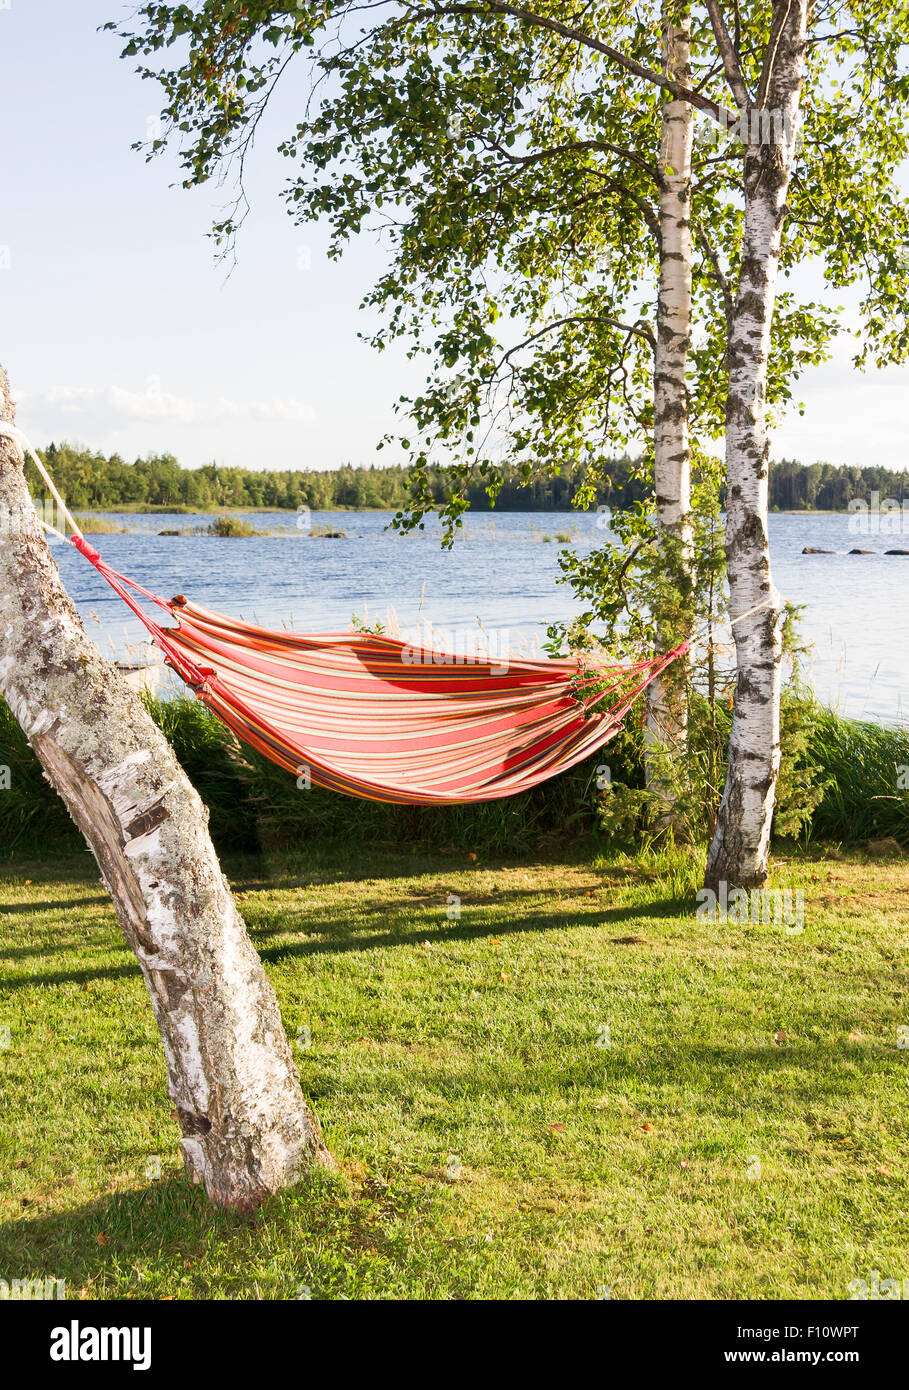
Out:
{"x": 557, "y": 1129}
{"x": 780, "y": 1037}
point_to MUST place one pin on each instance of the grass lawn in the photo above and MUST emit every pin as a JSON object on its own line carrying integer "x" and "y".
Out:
{"x": 576, "y": 1087}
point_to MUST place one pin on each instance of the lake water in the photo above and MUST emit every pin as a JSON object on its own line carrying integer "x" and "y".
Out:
{"x": 503, "y": 572}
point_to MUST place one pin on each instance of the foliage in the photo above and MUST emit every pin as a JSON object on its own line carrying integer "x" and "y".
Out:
{"x": 256, "y": 807}
{"x": 803, "y": 779}
{"x": 510, "y": 161}
{"x": 228, "y": 526}
{"x": 31, "y": 813}
{"x": 867, "y": 780}
{"x": 89, "y": 479}
{"x": 213, "y": 760}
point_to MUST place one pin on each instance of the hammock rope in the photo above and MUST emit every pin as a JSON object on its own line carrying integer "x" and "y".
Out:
{"x": 369, "y": 715}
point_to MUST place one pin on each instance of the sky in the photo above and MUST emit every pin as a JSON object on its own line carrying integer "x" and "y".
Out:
{"x": 121, "y": 331}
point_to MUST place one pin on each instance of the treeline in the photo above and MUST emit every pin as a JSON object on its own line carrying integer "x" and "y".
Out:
{"x": 93, "y": 481}
{"x": 825, "y": 488}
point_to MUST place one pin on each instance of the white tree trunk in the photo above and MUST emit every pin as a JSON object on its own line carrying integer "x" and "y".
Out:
{"x": 247, "y": 1130}
{"x": 666, "y": 713}
{"x": 741, "y": 843}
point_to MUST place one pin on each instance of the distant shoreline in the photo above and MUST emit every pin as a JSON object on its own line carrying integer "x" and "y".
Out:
{"x": 180, "y": 509}
{"x": 144, "y": 509}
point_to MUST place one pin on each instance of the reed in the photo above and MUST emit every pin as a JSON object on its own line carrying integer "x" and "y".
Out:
{"x": 257, "y": 807}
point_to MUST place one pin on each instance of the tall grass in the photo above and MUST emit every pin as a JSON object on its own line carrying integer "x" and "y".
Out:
{"x": 255, "y": 806}
{"x": 32, "y": 816}
{"x": 868, "y": 766}
{"x": 101, "y": 526}
{"x": 227, "y": 526}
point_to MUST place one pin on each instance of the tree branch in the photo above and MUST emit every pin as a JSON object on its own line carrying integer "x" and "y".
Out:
{"x": 719, "y": 277}
{"x": 728, "y": 55}
{"x": 555, "y": 26}
{"x": 640, "y": 328}
{"x": 573, "y": 147}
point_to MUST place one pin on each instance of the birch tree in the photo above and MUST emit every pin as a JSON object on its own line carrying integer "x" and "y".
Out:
{"x": 538, "y": 182}
{"x": 573, "y": 187}
{"x": 853, "y": 124}
{"x": 246, "y": 1129}
{"x": 741, "y": 843}
{"x": 666, "y": 708}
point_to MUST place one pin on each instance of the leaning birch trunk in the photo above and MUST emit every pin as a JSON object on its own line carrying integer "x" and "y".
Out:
{"x": 741, "y": 843}
{"x": 666, "y": 710}
{"x": 247, "y": 1130}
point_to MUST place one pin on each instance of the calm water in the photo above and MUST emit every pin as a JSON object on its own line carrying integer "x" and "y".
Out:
{"x": 503, "y": 572}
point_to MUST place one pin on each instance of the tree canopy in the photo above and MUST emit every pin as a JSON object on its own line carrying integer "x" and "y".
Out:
{"x": 509, "y": 158}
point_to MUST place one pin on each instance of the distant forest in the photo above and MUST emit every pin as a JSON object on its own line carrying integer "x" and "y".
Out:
{"x": 92, "y": 481}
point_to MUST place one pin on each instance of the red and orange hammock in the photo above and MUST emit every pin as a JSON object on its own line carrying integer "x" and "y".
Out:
{"x": 371, "y": 716}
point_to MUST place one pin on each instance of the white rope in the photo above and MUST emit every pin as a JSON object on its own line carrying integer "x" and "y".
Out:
{"x": 24, "y": 446}
{"x": 770, "y": 602}
{"x": 52, "y": 530}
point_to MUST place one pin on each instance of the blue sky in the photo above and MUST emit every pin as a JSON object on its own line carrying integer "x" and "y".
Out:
{"x": 120, "y": 330}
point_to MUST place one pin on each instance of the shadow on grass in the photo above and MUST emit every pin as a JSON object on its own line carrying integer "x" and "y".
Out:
{"x": 538, "y": 921}
{"x": 63, "y": 905}
{"x": 165, "y": 1240}
{"x": 326, "y": 936}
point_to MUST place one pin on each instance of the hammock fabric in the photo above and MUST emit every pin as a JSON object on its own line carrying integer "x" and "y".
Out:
{"x": 373, "y": 717}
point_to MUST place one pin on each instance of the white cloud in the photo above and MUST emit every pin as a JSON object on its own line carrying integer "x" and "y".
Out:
{"x": 107, "y": 407}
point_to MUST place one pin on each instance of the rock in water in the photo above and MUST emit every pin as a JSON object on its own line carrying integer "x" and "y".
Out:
{"x": 813, "y": 550}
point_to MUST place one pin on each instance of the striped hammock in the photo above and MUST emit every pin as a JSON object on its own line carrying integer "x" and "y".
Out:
{"x": 371, "y": 716}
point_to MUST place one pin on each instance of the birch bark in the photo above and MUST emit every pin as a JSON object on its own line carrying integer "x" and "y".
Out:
{"x": 246, "y": 1128}
{"x": 741, "y": 843}
{"x": 666, "y": 713}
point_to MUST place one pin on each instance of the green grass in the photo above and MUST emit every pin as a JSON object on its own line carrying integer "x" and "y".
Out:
{"x": 583, "y": 1167}
{"x": 226, "y": 526}
{"x": 101, "y": 526}
{"x": 868, "y": 770}
{"x": 255, "y": 805}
